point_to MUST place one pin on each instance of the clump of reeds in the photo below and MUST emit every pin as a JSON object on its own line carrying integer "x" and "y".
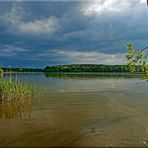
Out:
{"x": 11, "y": 91}
{"x": 1, "y": 72}
{"x": 16, "y": 97}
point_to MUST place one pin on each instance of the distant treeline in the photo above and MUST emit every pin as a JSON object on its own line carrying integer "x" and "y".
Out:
{"x": 75, "y": 68}
{"x": 87, "y": 68}
{"x": 23, "y": 69}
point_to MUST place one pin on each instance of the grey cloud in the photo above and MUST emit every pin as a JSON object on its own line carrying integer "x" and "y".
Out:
{"x": 49, "y": 29}
{"x": 75, "y": 56}
{"x": 14, "y": 19}
{"x": 9, "y": 50}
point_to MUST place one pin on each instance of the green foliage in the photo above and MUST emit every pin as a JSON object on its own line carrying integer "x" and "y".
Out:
{"x": 86, "y": 68}
{"x": 137, "y": 58}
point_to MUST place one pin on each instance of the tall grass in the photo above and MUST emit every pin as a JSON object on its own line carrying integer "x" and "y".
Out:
{"x": 16, "y": 97}
{"x": 11, "y": 91}
{"x": 1, "y": 72}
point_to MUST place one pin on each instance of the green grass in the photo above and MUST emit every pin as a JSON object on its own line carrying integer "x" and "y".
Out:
{"x": 17, "y": 98}
{"x": 13, "y": 91}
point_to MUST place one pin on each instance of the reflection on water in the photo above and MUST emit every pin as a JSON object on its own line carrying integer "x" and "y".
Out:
{"x": 15, "y": 109}
{"x": 18, "y": 109}
{"x": 80, "y": 110}
{"x": 92, "y": 75}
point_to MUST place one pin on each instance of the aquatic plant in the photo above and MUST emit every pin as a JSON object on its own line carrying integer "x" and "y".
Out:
{"x": 11, "y": 90}
{"x": 16, "y": 98}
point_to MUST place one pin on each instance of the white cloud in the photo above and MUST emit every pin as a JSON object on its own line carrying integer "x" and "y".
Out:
{"x": 14, "y": 19}
{"x": 92, "y": 57}
{"x": 142, "y": 1}
{"x": 48, "y": 25}
{"x": 14, "y": 16}
{"x": 85, "y": 57}
{"x": 112, "y": 6}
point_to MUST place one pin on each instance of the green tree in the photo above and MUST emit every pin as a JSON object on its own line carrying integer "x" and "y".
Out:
{"x": 137, "y": 59}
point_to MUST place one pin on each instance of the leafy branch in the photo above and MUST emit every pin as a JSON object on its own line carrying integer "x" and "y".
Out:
{"x": 137, "y": 58}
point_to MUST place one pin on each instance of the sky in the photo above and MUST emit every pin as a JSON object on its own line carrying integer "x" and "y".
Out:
{"x": 40, "y": 33}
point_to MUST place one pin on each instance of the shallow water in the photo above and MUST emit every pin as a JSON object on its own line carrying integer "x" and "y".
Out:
{"x": 81, "y": 110}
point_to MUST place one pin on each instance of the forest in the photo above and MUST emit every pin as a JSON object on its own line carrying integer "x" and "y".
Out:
{"x": 89, "y": 68}
{"x": 76, "y": 68}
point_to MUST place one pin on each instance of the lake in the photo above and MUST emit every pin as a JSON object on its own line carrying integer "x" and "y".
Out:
{"x": 80, "y": 110}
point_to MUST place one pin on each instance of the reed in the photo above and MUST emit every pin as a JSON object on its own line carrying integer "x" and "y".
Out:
{"x": 1, "y": 72}
{"x": 16, "y": 97}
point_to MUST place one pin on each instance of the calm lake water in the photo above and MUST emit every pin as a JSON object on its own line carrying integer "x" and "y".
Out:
{"x": 80, "y": 110}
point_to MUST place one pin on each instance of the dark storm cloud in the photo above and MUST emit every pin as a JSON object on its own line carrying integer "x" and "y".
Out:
{"x": 65, "y": 32}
